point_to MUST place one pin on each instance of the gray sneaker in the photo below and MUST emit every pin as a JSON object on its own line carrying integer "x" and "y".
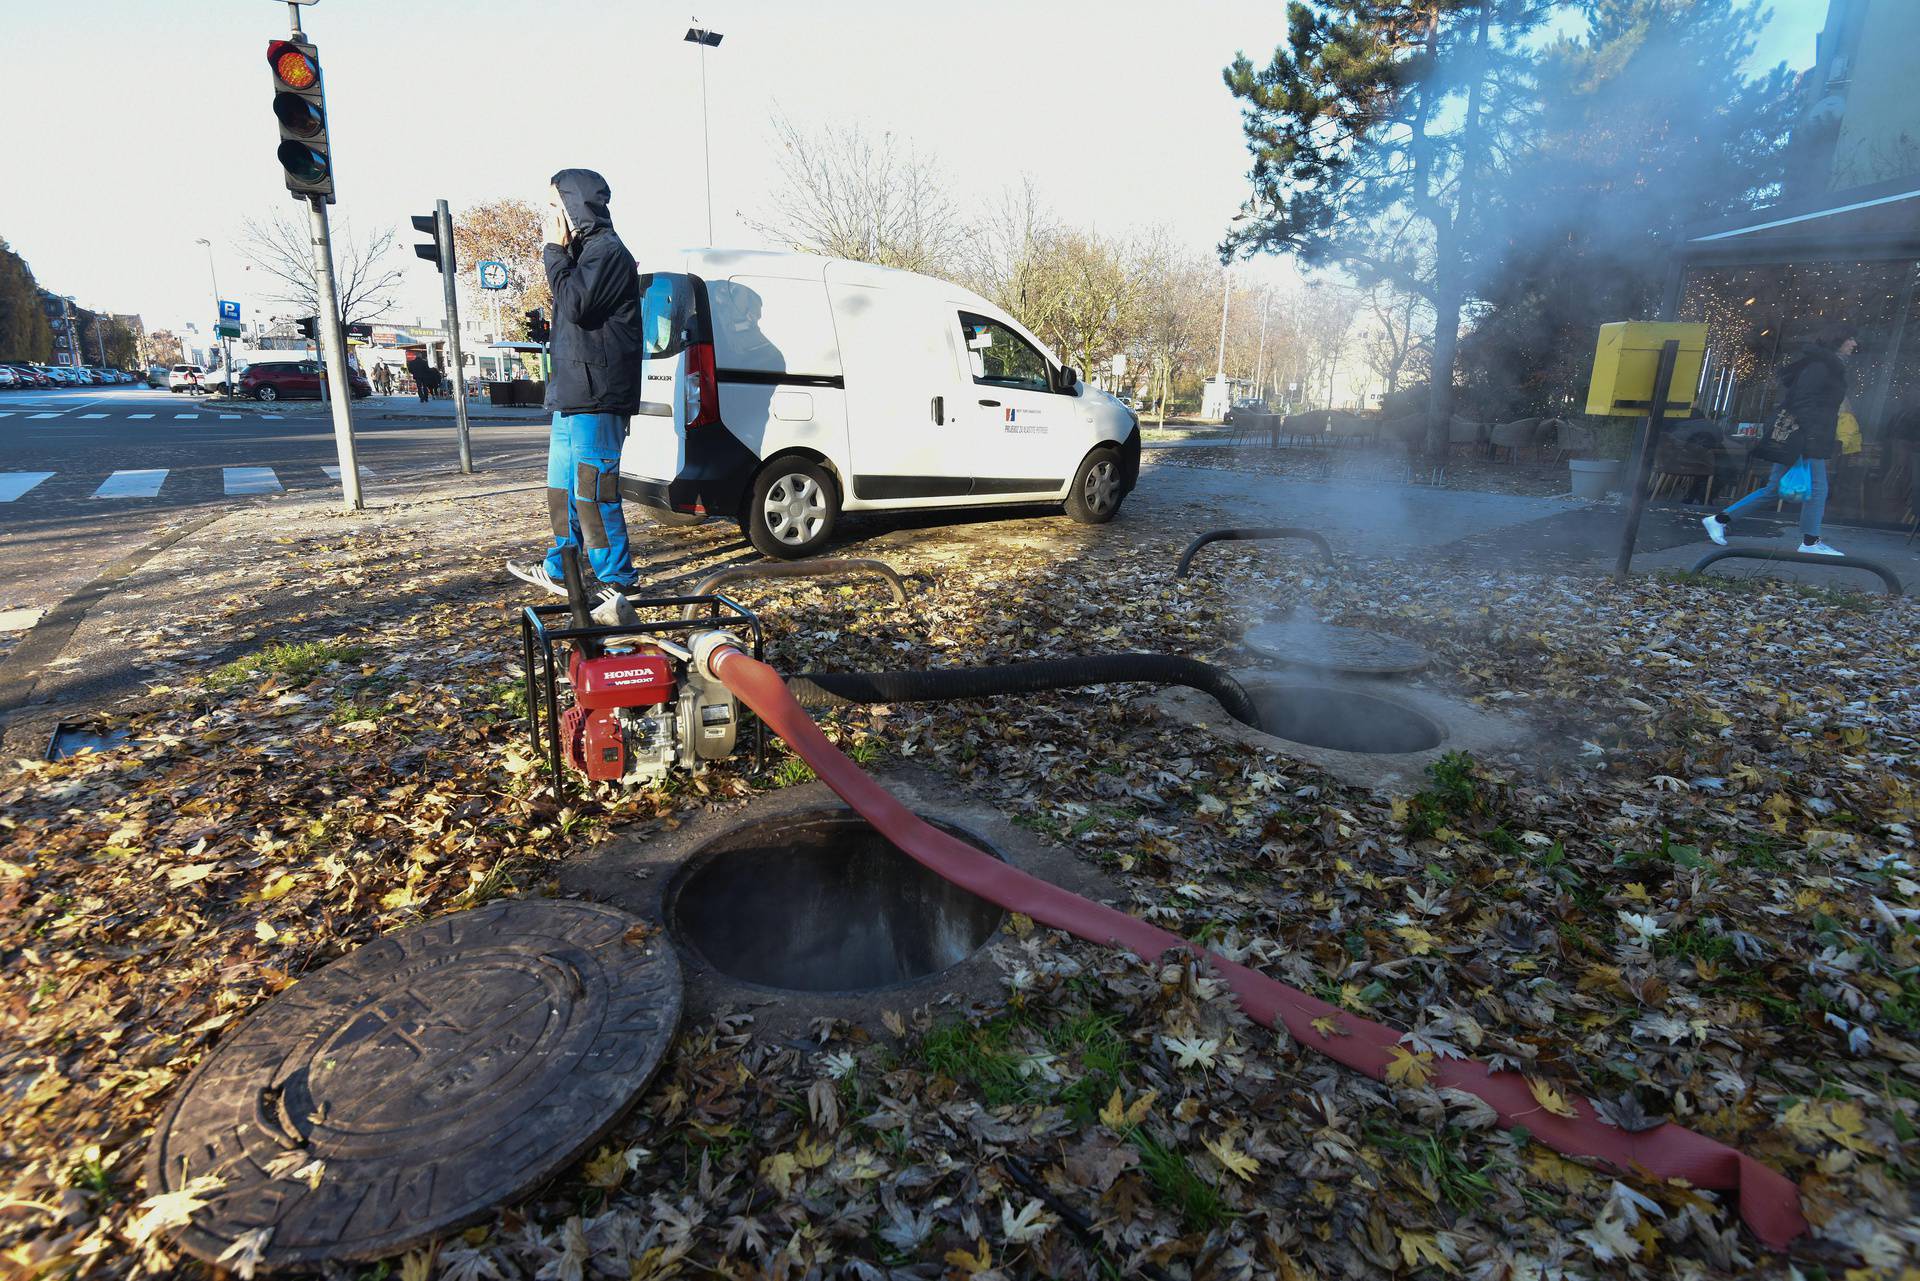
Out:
{"x": 536, "y": 575}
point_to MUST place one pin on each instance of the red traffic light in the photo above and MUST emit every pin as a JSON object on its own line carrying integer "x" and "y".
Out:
{"x": 291, "y": 66}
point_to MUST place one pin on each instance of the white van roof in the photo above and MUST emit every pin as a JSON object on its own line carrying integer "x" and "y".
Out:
{"x": 720, "y": 264}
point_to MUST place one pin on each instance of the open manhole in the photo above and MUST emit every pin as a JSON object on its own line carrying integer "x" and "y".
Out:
{"x": 821, "y": 902}
{"x": 1343, "y": 720}
{"x": 1354, "y": 650}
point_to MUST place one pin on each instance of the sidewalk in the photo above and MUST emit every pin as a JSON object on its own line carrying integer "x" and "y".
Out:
{"x": 410, "y": 408}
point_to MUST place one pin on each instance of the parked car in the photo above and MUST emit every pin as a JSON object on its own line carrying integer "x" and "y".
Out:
{"x": 8, "y": 379}
{"x": 157, "y": 376}
{"x": 28, "y": 376}
{"x": 1241, "y": 409}
{"x": 294, "y": 380}
{"x": 185, "y": 378}
{"x": 215, "y": 380}
{"x": 781, "y": 389}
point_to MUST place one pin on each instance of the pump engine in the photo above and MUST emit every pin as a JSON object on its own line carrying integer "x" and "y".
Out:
{"x": 638, "y": 714}
{"x": 614, "y": 692}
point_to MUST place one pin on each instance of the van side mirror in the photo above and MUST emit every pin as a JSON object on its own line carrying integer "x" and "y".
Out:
{"x": 1068, "y": 379}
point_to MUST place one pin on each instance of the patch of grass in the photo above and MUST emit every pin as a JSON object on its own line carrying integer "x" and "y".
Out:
{"x": 295, "y": 664}
{"x": 346, "y": 711}
{"x": 791, "y": 772}
{"x": 1455, "y": 796}
{"x": 1437, "y": 1156}
{"x": 1762, "y": 854}
{"x": 1174, "y": 1182}
{"x": 1694, "y": 943}
{"x": 979, "y": 1056}
{"x": 494, "y": 883}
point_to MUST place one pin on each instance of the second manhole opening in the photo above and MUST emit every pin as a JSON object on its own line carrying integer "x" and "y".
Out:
{"x": 822, "y": 902}
{"x": 1343, "y": 720}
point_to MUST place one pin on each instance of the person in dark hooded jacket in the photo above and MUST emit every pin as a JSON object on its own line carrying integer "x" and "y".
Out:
{"x": 594, "y": 388}
{"x": 1815, "y": 386}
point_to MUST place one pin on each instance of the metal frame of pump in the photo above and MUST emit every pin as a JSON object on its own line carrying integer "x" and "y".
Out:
{"x": 627, "y": 674}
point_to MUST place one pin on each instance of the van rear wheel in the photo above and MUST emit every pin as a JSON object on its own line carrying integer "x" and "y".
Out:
{"x": 792, "y": 509}
{"x": 1097, "y": 489}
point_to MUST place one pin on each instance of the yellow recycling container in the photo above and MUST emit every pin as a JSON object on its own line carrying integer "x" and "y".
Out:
{"x": 1627, "y": 359}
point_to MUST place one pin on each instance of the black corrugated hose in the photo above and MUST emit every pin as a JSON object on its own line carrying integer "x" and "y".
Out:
{"x": 818, "y": 689}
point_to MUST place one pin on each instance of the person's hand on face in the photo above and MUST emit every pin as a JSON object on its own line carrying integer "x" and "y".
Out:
{"x": 558, "y": 230}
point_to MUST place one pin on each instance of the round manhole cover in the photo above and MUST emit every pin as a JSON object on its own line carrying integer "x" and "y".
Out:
{"x": 1335, "y": 649}
{"x": 409, "y": 1088}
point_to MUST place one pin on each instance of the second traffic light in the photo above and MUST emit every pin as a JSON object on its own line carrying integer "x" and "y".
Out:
{"x": 431, "y": 251}
{"x": 300, "y": 107}
{"x": 538, "y": 330}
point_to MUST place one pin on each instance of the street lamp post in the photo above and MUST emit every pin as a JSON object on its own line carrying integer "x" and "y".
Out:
{"x": 706, "y": 40}
{"x": 1220, "y": 363}
{"x": 226, "y": 346}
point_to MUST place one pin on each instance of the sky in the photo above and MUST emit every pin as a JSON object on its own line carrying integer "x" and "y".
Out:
{"x": 153, "y": 121}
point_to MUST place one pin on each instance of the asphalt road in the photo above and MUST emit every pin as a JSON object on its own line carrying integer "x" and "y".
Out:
{"x": 88, "y": 475}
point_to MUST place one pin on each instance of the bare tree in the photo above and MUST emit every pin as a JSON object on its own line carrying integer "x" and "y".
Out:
{"x": 848, "y": 194}
{"x": 364, "y": 272}
{"x": 1327, "y": 314}
{"x": 1396, "y": 342}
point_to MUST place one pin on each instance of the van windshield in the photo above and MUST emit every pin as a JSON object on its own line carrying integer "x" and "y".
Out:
{"x": 667, "y": 312}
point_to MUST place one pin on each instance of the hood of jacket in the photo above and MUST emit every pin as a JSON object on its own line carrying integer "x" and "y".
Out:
{"x": 1810, "y": 356}
{"x": 584, "y": 195}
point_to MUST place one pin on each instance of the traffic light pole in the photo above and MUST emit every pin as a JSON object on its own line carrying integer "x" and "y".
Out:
{"x": 333, "y": 341}
{"x": 443, "y": 223}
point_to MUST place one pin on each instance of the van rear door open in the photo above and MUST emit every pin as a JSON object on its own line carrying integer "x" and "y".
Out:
{"x": 655, "y": 446}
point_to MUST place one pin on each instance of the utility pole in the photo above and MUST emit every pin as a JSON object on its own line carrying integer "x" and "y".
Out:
{"x": 706, "y": 39}
{"x": 226, "y": 344}
{"x": 443, "y": 222}
{"x": 333, "y": 341}
{"x": 315, "y": 187}
{"x": 1260, "y": 360}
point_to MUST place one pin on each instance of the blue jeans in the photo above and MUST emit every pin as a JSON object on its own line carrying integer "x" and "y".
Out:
{"x": 1811, "y": 510}
{"x": 583, "y": 494}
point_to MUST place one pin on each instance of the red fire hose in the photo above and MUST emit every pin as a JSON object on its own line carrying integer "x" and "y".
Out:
{"x": 1769, "y": 1202}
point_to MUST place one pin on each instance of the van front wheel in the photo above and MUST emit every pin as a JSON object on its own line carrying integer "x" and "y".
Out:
{"x": 1097, "y": 489}
{"x": 792, "y": 509}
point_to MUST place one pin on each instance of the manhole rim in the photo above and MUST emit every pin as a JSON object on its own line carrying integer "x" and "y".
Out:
{"x": 203, "y": 1243}
{"x": 1258, "y": 685}
{"x": 704, "y": 855}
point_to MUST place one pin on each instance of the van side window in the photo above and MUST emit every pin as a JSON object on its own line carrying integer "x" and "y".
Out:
{"x": 998, "y": 357}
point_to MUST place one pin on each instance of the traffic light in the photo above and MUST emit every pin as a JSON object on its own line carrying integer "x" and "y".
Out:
{"x": 538, "y": 330}
{"x": 309, "y": 326}
{"x": 299, "y": 104}
{"x": 429, "y": 223}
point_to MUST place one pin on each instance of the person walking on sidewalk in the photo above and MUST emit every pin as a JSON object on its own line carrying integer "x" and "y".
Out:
{"x": 595, "y": 385}
{"x": 1805, "y": 430}
{"x": 422, "y": 375}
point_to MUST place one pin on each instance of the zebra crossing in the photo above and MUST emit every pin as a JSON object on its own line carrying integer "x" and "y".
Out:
{"x": 194, "y": 416}
{"x": 188, "y": 483}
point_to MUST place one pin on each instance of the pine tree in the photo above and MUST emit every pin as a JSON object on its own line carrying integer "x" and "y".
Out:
{"x": 1381, "y": 133}
{"x": 1649, "y": 125}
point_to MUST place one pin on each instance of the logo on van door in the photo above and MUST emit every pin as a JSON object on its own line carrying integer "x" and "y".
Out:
{"x": 1023, "y": 421}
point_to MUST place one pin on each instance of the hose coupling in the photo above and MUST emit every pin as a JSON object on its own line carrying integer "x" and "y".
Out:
{"x": 706, "y": 644}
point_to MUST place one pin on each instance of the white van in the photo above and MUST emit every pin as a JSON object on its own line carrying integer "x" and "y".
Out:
{"x": 780, "y": 389}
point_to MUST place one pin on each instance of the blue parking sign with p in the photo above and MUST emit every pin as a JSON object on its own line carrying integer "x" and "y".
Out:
{"x": 229, "y": 311}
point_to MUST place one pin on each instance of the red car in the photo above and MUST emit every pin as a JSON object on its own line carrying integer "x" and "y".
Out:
{"x": 294, "y": 380}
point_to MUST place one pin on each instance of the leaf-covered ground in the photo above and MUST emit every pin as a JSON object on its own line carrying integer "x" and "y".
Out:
{"x": 1701, "y": 906}
{"x": 1466, "y": 468}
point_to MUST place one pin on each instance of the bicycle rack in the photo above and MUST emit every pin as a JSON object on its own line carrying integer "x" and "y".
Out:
{"x": 1887, "y": 576}
{"x": 805, "y": 569}
{"x": 1256, "y": 532}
